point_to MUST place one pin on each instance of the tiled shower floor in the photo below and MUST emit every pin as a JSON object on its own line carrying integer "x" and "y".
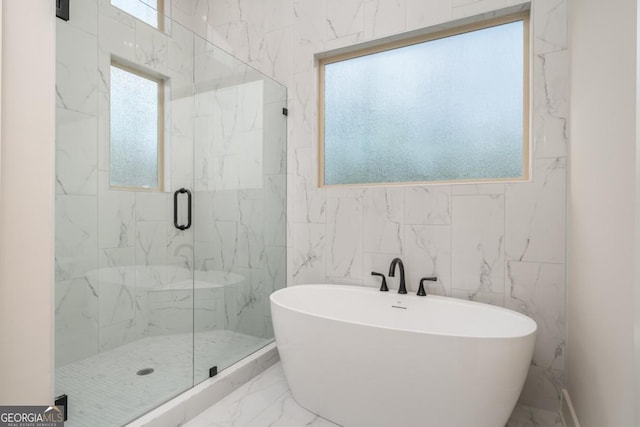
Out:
{"x": 104, "y": 390}
{"x": 267, "y": 401}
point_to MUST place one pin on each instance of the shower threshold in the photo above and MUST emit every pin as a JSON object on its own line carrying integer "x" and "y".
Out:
{"x": 106, "y": 390}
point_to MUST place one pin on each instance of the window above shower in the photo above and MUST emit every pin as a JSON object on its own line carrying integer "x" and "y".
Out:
{"x": 450, "y": 106}
{"x": 149, "y": 11}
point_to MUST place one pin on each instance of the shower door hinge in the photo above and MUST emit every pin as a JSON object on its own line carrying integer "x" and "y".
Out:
{"x": 213, "y": 372}
{"x": 285, "y": 111}
{"x": 62, "y": 9}
{"x": 63, "y": 400}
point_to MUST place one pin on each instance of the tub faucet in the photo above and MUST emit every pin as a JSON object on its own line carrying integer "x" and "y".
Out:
{"x": 421, "y": 291}
{"x": 392, "y": 273}
{"x": 383, "y": 286}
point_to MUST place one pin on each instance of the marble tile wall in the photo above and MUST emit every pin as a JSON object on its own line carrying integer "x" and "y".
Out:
{"x": 240, "y": 181}
{"x": 122, "y": 268}
{"x": 76, "y": 215}
{"x": 500, "y": 243}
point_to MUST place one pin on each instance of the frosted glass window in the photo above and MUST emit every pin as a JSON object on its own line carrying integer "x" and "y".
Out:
{"x": 136, "y": 114}
{"x": 446, "y": 109}
{"x": 144, "y": 10}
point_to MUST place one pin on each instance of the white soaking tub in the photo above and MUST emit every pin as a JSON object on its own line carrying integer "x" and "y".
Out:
{"x": 364, "y": 358}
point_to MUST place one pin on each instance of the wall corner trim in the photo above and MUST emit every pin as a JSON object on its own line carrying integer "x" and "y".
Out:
{"x": 569, "y": 417}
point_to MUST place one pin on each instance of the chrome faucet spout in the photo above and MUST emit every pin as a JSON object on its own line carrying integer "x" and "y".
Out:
{"x": 392, "y": 272}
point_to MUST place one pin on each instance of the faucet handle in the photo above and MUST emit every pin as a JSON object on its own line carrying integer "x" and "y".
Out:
{"x": 421, "y": 292}
{"x": 383, "y": 287}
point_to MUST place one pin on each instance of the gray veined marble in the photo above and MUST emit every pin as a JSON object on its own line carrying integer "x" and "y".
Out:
{"x": 472, "y": 235}
{"x": 383, "y": 220}
{"x": 76, "y": 70}
{"x": 535, "y": 215}
{"x": 344, "y": 233}
{"x": 428, "y": 205}
{"x": 306, "y": 264}
{"x": 76, "y": 153}
{"x": 151, "y": 47}
{"x": 76, "y": 236}
{"x": 428, "y": 252}
{"x": 478, "y": 243}
{"x": 551, "y": 109}
{"x": 267, "y": 401}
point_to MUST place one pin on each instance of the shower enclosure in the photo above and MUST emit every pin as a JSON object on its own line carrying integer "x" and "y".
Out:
{"x": 170, "y": 210}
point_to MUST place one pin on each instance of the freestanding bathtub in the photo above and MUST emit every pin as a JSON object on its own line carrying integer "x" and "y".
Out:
{"x": 364, "y": 358}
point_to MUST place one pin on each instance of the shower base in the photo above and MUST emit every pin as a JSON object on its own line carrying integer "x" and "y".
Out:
{"x": 105, "y": 389}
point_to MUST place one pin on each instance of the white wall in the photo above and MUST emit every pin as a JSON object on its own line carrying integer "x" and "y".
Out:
{"x": 341, "y": 235}
{"x": 26, "y": 202}
{"x": 602, "y": 194}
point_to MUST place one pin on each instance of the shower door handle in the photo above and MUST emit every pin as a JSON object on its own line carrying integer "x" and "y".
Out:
{"x": 175, "y": 209}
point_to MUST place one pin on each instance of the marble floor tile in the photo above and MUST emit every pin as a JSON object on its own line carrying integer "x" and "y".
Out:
{"x": 525, "y": 416}
{"x": 104, "y": 390}
{"x": 267, "y": 401}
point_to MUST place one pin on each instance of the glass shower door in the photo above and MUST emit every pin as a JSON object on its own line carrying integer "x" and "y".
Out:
{"x": 240, "y": 191}
{"x": 156, "y": 130}
{"x": 124, "y": 251}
